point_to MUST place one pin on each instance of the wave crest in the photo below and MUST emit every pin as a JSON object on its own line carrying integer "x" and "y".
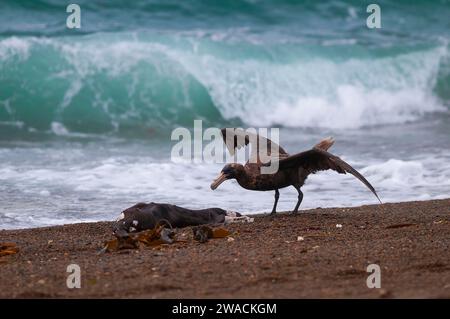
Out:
{"x": 126, "y": 81}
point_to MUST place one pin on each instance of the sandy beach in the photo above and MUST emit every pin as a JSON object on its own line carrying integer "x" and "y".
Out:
{"x": 306, "y": 255}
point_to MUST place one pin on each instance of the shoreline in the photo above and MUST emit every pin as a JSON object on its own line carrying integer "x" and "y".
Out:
{"x": 304, "y": 255}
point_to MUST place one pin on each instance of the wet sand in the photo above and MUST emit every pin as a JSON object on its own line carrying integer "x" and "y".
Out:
{"x": 265, "y": 259}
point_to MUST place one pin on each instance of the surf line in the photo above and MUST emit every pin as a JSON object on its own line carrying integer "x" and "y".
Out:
{"x": 183, "y": 309}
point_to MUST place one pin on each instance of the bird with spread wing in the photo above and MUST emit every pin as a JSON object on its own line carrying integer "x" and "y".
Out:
{"x": 293, "y": 170}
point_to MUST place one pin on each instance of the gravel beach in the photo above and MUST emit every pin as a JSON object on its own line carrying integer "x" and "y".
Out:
{"x": 318, "y": 253}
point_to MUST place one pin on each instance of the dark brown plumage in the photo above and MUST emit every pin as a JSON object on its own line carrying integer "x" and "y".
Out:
{"x": 292, "y": 169}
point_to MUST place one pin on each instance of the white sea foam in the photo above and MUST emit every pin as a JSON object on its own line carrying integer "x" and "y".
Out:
{"x": 101, "y": 189}
{"x": 14, "y": 47}
{"x": 409, "y": 174}
{"x": 321, "y": 93}
{"x": 59, "y": 129}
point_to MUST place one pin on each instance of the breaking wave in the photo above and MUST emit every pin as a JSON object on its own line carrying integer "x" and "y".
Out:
{"x": 141, "y": 82}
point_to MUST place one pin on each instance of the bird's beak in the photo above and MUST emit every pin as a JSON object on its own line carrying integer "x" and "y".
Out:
{"x": 219, "y": 180}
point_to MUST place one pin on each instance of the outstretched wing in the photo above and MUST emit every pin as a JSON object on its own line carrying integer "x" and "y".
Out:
{"x": 317, "y": 159}
{"x": 235, "y": 138}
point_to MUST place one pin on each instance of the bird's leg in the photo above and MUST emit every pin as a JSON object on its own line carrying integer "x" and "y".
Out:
{"x": 277, "y": 195}
{"x": 300, "y": 198}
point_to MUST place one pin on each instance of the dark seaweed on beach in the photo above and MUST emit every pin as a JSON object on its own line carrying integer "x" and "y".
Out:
{"x": 152, "y": 237}
{"x": 8, "y": 249}
{"x": 203, "y": 233}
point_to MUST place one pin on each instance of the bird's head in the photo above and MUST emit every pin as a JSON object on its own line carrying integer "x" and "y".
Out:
{"x": 229, "y": 171}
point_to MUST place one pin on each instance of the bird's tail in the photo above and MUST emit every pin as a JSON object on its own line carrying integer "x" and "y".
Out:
{"x": 325, "y": 144}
